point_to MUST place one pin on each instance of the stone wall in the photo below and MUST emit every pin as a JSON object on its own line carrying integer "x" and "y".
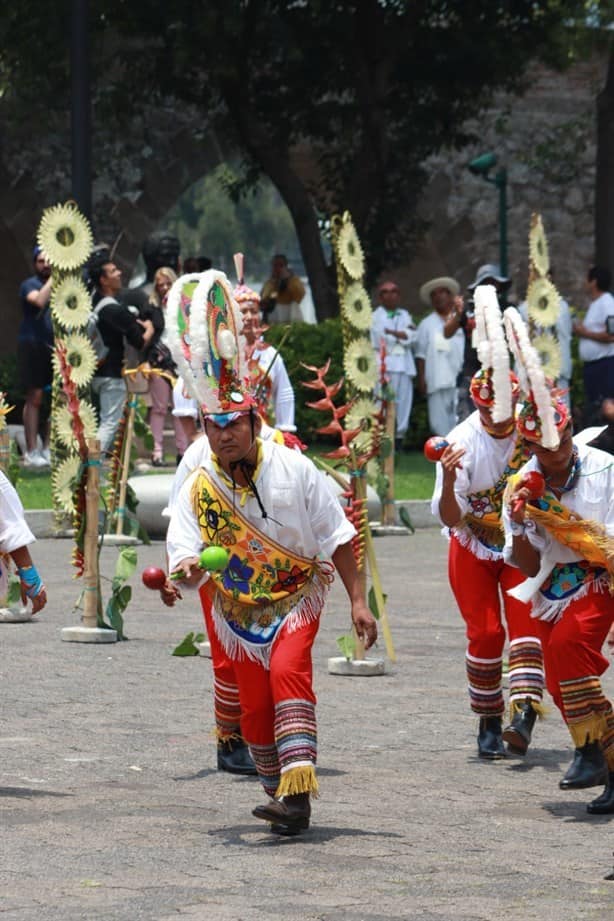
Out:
{"x": 546, "y": 140}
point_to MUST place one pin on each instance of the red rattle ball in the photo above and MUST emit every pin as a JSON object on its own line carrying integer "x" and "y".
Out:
{"x": 434, "y": 448}
{"x": 154, "y": 578}
{"x": 534, "y": 482}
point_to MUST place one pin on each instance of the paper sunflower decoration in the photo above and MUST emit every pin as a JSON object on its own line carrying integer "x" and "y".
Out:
{"x": 63, "y": 424}
{"x": 80, "y": 356}
{"x": 349, "y": 249}
{"x": 356, "y": 308}
{"x": 71, "y": 303}
{"x": 543, "y": 302}
{"x": 549, "y": 353}
{"x": 538, "y": 246}
{"x": 362, "y": 413}
{"x": 65, "y": 237}
{"x": 64, "y": 481}
{"x": 360, "y": 365}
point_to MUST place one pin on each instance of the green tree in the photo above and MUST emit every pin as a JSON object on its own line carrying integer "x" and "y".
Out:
{"x": 337, "y": 103}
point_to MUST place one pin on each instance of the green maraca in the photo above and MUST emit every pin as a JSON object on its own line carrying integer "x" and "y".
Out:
{"x": 213, "y": 559}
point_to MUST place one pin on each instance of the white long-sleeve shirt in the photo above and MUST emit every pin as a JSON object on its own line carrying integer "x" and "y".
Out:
{"x": 399, "y": 352}
{"x": 305, "y": 514}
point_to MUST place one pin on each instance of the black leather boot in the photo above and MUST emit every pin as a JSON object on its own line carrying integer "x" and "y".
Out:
{"x": 490, "y": 740}
{"x": 233, "y": 756}
{"x": 288, "y": 815}
{"x": 604, "y": 804}
{"x": 518, "y": 733}
{"x": 588, "y": 768}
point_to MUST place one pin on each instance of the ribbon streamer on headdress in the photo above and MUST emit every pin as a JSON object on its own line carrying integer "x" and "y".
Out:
{"x": 492, "y": 386}
{"x": 539, "y": 418}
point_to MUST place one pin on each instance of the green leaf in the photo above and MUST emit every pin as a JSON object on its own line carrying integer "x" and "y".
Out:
{"x": 405, "y": 519}
{"x": 14, "y": 592}
{"x": 373, "y": 603}
{"x": 188, "y": 647}
{"x": 126, "y": 563}
{"x": 346, "y": 646}
{"x": 113, "y": 613}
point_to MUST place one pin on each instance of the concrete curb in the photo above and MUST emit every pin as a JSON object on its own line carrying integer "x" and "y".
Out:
{"x": 42, "y": 521}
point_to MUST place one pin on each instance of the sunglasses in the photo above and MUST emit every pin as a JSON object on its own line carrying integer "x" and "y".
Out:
{"x": 388, "y": 290}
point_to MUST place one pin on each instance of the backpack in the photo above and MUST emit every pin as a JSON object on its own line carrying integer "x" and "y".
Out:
{"x": 92, "y": 331}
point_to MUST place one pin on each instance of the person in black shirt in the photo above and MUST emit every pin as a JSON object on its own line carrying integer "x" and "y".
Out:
{"x": 117, "y": 324}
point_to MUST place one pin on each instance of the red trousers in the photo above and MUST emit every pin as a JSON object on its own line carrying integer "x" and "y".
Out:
{"x": 480, "y": 588}
{"x": 276, "y": 706}
{"x": 574, "y": 662}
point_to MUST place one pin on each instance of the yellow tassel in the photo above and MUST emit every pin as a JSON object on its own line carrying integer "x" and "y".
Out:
{"x": 298, "y": 780}
{"x": 591, "y": 729}
{"x": 226, "y": 736}
{"x": 541, "y": 709}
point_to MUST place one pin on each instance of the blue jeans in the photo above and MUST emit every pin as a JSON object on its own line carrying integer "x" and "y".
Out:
{"x": 111, "y": 393}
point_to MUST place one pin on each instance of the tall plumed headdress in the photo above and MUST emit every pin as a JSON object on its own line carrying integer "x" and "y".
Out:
{"x": 494, "y": 386}
{"x": 541, "y": 414}
{"x": 242, "y": 292}
{"x": 204, "y": 337}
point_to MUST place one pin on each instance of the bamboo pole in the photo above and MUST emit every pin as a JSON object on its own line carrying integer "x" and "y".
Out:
{"x": 389, "y": 516}
{"x": 360, "y": 491}
{"x": 5, "y": 450}
{"x": 90, "y": 547}
{"x": 379, "y": 595}
{"x": 125, "y": 465}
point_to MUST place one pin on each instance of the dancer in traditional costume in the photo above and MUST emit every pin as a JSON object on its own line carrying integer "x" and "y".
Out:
{"x": 483, "y": 451}
{"x": 280, "y": 522}
{"x": 564, "y": 543}
{"x": 232, "y": 752}
{"x": 268, "y": 379}
{"x": 15, "y": 536}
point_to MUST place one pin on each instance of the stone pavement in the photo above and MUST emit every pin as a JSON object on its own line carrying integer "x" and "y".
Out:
{"x": 112, "y": 807}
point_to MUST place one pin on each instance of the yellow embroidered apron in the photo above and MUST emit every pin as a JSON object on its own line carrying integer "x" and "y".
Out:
{"x": 263, "y": 581}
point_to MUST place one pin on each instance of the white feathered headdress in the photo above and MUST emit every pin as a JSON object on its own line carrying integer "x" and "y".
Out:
{"x": 494, "y": 385}
{"x": 541, "y": 415}
{"x": 203, "y": 323}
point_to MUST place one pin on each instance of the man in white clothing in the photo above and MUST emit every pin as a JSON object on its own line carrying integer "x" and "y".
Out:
{"x": 393, "y": 329}
{"x": 596, "y": 334}
{"x": 439, "y": 360}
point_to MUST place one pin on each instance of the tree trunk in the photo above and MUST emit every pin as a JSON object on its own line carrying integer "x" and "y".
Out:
{"x": 604, "y": 182}
{"x": 275, "y": 164}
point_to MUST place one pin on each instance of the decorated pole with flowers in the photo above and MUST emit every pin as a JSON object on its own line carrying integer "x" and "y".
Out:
{"x": 359, "y": 424}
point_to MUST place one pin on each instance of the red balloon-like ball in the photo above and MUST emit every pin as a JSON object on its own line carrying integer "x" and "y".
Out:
{"x": 434, "y": 447}
{"x": 535, "y": 483}
{"x": 153, "y": 577}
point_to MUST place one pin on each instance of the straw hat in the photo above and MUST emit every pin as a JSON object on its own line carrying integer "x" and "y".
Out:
{"x": 443, "y": 282}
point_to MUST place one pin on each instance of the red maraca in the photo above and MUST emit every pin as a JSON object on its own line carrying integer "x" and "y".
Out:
{"x": 434, "y": 448}
{"x": 154, "y": 578}
{"x": 535, "y": 484}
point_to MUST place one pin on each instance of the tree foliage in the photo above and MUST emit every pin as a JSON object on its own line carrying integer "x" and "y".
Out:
{"x": 338, "y": 102}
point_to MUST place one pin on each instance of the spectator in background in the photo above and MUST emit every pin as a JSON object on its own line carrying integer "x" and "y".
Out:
{"x": 462, "y": 317}
{"x": 393, "y": 328}
{"x": 159, "y": 358}
{"x": 563, "y": 332}
{"x": 282, "y": 294}
{"x": 196, "y": 264}
{"x": 439, "y": 358}
{"x": 596, "y": 347}
{"x": 115, "y": 322}
{"x": 34, "y": 350}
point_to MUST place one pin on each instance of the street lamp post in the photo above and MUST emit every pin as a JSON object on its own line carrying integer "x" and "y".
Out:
{"x": 80, "y": 107}
{"x": 481, "y": 166}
